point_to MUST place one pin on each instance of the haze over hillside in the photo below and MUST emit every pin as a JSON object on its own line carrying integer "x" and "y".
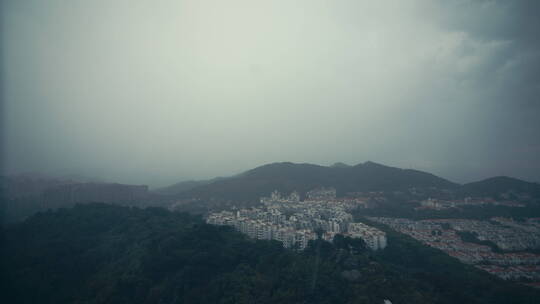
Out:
{"x": 289, "y": 177}
{"x": 367, "y": 176}
{"x": 190, "y": 90}
{"x": 26, "y": 195}
{"x": 270, "y": 151}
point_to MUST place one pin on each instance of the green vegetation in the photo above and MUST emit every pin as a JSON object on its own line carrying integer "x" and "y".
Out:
{"x": 100, "y": 253}
{"x": 472, "y": 237}
{"x": 404, "y": 209}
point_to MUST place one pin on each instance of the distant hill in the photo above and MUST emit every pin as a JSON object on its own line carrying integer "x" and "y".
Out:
{"x": 184, "y": 186}
{"x": 24, "y": 195}
{"x": 287, "y": 177}
{"x": 501, "y": 186}
{"x": 70, "y": 194}
{"x": 340, "y": 165}
{"x": 29, "y": 186}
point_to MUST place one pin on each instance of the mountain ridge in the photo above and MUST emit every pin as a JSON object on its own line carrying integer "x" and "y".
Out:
{"x": 497, "y": 185}
{"x": 288, "y": 177}
{"x": 366, "y": 176}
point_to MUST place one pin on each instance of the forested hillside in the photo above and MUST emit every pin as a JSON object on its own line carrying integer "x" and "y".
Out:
{"x": 101, "y": 253}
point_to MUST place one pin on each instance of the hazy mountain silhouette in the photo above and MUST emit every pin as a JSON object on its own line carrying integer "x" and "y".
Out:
{"x": 369, "y": 176}
{"x": 185, "y": 186}
{"x": 340, "y": 165}
{"x": 287, "y": 177}
{"x": 498, "y": 185}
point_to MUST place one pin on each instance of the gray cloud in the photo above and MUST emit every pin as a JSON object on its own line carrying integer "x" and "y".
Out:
{"x": 155, "y": 92}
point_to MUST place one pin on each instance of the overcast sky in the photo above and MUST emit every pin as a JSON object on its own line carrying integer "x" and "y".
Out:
{"x": 157, "y": 92}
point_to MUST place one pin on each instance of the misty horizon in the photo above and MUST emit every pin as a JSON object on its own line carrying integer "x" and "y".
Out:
{"x": 189, "y": 90}
{"x": 157, "y": 185}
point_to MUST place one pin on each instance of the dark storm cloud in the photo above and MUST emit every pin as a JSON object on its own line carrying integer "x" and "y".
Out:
{"x": 514, "y": 24}
{"x": 155, "y": 92}
{"x": 512, "y": 76}
{"x": 493, "y": 19}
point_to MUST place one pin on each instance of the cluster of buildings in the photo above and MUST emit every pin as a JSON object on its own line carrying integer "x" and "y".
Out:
{"x": 295, "y": 223}
{"x": 276, "y": 196}
{"x": 264, "y": 225}
{"x": 321, "y": 194}
{"x": 530, "y": 272}
{"x": 506, "y": 234}
{"x": 439, "y": 204}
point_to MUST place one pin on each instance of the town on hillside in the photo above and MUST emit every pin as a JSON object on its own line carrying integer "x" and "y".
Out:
{"x": 500, "y": 246}
{"x": 294, "y": 222}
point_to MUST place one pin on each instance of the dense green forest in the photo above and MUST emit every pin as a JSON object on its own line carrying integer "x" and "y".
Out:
{"x": 99, "y": 253}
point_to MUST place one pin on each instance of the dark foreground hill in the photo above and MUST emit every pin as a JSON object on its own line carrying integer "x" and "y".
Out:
{"x": 288, "y": 177}
{"x": 100, "y": 253}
